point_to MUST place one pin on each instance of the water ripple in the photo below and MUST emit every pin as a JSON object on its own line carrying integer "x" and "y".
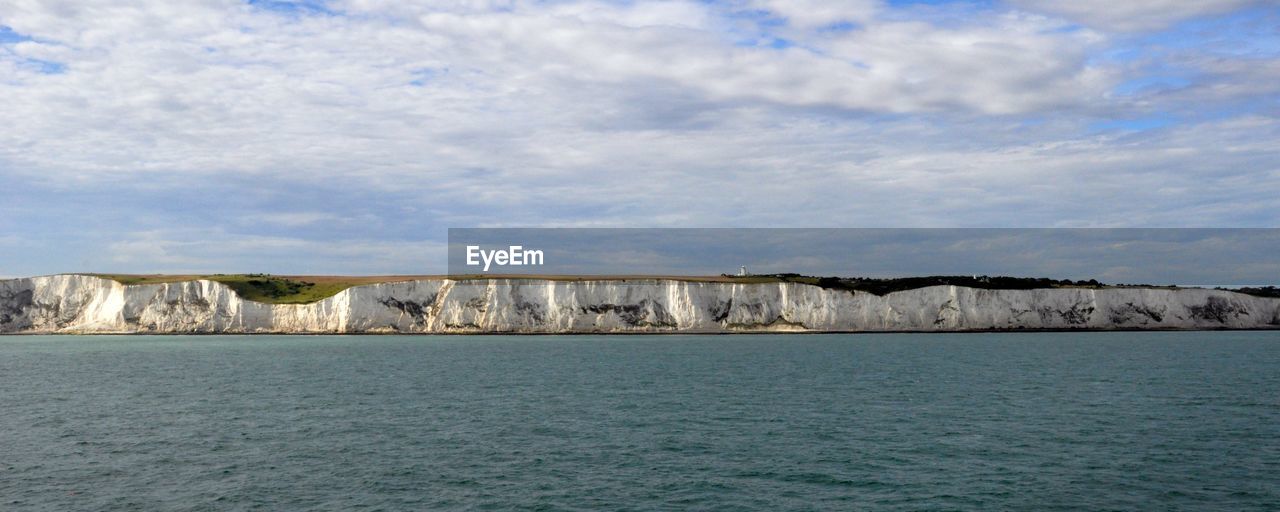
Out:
{"x": 1035, "y": 421}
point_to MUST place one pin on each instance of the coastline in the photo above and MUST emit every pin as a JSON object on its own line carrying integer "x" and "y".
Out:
{"x": 86, "y": 304}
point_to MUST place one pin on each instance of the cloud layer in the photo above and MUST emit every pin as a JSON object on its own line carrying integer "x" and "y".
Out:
{"x": 290, "y": 128}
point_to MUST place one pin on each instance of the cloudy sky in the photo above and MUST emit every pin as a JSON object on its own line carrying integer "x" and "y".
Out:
{"x": 346, "y": 136}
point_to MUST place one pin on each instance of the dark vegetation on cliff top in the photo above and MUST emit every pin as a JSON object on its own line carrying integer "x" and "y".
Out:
{"x": 1261, "y": 291}
{"x": 274, "y": 289}
{"x": 889, "y": 285}
{"x": 256, "y": 287}
{"x": 881, "y": 287}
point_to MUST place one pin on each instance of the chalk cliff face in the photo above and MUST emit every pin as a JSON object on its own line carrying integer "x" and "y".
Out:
{"x": 85, "y": 304}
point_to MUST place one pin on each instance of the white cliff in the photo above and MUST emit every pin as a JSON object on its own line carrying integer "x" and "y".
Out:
{"x": 86, "y": 304}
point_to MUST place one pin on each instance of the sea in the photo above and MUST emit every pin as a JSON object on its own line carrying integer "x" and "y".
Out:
{"x": 900, "y": 422}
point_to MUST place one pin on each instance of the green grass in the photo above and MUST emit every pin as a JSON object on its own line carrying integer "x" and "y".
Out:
{"x": 278, "y": 290}
{"x": 256, "y": 287}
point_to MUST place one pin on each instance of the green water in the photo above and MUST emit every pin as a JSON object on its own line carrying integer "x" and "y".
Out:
{"x": 1037, "y": 421}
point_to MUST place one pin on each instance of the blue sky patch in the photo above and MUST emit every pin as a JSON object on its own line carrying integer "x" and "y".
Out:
{"x": 8, "y": 35}
{"x": 46, "y": 67}
{"x": 1153, "y": 83}
{"x": 295, "y": 7}
{"x": 1132, "y": 125}
{"x": 426, "y": 75}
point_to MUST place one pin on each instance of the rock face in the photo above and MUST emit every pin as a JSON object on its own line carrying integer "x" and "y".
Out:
{"x": 86, "y": 304}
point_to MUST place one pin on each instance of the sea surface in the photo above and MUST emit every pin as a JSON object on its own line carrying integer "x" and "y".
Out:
{"x": 1028, "y": 421}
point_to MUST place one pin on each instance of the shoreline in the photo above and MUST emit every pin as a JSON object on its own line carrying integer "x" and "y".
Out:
{"x": 636, "y": 333}
{"x": 91, "y": 305}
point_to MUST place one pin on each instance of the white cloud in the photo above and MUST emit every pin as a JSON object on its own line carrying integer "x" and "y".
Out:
{"x": 1133, "y": 15}
{"x": 406, "y": 92}
{"x": 1022, "y": 63}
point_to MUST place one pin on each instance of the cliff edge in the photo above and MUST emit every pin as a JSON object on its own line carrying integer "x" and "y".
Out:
{"x": 89, "y": 304}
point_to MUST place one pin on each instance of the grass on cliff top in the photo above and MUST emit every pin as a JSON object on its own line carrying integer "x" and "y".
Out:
{"x": 265, "y": 287}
